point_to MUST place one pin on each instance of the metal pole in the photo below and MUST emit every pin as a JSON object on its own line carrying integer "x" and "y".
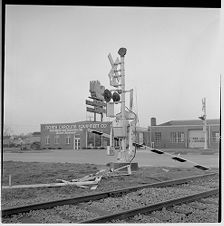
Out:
{"x": 10, "y": 180}
{"x": 94, "y": 140}
{"x": 94, "y": 135}
{"x": 205, "y": 125}
{"x": 209, "y": 135}
{"x": 122, "y": 52}
{"x": 86, "y": 138}
{"x": 101, "y": 137}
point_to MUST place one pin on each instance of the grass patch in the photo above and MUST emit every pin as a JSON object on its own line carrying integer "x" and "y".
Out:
{"x": 38, "y": 172}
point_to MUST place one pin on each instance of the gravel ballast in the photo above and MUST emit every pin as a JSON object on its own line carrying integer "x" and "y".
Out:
{"x": 192, "y": 212}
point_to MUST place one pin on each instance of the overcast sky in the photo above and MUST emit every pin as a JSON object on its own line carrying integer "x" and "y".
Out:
{"x": 52, "y": 52}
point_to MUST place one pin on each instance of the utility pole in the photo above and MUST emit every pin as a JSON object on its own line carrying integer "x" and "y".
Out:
{"x": 205, "y": 122}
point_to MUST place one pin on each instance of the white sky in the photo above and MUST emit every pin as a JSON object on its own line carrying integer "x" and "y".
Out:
{"x": 52, "y": 52}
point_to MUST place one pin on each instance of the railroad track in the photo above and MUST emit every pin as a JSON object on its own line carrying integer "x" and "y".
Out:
{"x": 150, "y": 208}
{"x": 102, "y": 215}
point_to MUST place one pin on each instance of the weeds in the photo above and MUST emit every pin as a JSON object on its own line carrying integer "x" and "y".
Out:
{"x": 42, "y": 173}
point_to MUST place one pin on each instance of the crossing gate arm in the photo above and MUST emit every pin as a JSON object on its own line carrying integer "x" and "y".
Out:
{"x": 99, "y": 133}
{"x": 174, "y": 157}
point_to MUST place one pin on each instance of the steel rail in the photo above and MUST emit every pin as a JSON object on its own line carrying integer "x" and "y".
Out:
{"x": 97, "y": 196}
{"x": 150, "y": 208}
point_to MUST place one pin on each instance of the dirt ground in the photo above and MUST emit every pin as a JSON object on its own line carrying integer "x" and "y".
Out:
{"x": 38, "y": 172}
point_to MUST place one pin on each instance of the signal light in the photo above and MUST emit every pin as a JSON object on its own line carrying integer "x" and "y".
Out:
{"x": 107, "y": 95}
{"x": 122, "y": 51}
{"x": 116, "y": 97}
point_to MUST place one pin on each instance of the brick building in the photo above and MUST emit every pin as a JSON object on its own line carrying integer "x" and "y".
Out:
{"x": 73, "y": 135}
{"x": 184, "y": 134}
{"x": 76, "y": 135}
{"x": 171, "y": 134}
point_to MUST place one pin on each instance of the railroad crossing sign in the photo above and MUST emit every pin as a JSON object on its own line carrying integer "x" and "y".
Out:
{"x": 113, "y": 74}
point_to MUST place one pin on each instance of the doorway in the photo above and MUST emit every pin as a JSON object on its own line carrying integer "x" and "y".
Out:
{"x": 76, "y": 143}
{"x": 196, "y": 139}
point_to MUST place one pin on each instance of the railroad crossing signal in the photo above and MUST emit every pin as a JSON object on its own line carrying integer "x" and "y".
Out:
{"x": 122, "y": 52}
{"x": 107, "y": 95}
{"x": 122, "y": 128}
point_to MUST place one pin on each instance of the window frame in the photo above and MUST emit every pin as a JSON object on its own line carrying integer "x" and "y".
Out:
{"x": 47, "y": 140}
{"x": 158, "y": 135}
{"x": 68, "y": 139}
{"x": 215, "y": 136}
{"x": 177, "y": 137}
{"x": 56, "y": 139}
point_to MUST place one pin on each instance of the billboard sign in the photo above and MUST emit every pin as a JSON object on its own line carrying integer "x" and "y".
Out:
{"x": 95, "y": 103}
{"x": 96, "y": 90}
{"x": 96, "y": 110}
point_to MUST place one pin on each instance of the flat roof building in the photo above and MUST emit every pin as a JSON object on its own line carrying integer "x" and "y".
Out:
{"x": 73, "y": 135}
{"x": 184, "y": 134}
{"x": 76, "y": 135}
{"x": 171, "y": 134}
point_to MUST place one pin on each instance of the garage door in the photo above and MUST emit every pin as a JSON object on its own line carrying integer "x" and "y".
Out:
{"x": 196, "y": 139}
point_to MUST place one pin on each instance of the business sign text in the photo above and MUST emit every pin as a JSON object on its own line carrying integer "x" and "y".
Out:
{"x": 73, "y": 128}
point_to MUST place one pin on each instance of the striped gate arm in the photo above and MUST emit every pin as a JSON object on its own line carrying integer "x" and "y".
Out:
{"x": 155, "y": 150}
{"x": 174, "y": 157}
{"x": 99, "y": 133}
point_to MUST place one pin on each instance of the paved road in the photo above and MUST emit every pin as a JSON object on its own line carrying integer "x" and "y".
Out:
{"x": 143, "y": 157}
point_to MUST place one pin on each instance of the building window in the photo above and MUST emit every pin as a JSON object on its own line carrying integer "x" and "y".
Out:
{"x": 68, "y": 140}
{"x": 215, "y": 137}
{"x": 180, "y": 137}
{"x": 157, "y": 137}
{"x": 177, "y": 137}
{"x": 173, "y": 137}
{"x": 47, "y": 140}
{"x": 56, "y": 139}
{"x": 77, "y": 135}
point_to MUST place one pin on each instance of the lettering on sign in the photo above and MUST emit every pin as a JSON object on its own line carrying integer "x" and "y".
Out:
{"x": 58, "y": 132}
{"x": 96, "y": 103}
{"x": 55, "y": 127}
{"x": 71, "y": 129}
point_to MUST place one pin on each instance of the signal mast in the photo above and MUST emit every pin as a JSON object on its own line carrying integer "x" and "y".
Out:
{"x": 203, "y": 118}
{"x": 124, "y": 123}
